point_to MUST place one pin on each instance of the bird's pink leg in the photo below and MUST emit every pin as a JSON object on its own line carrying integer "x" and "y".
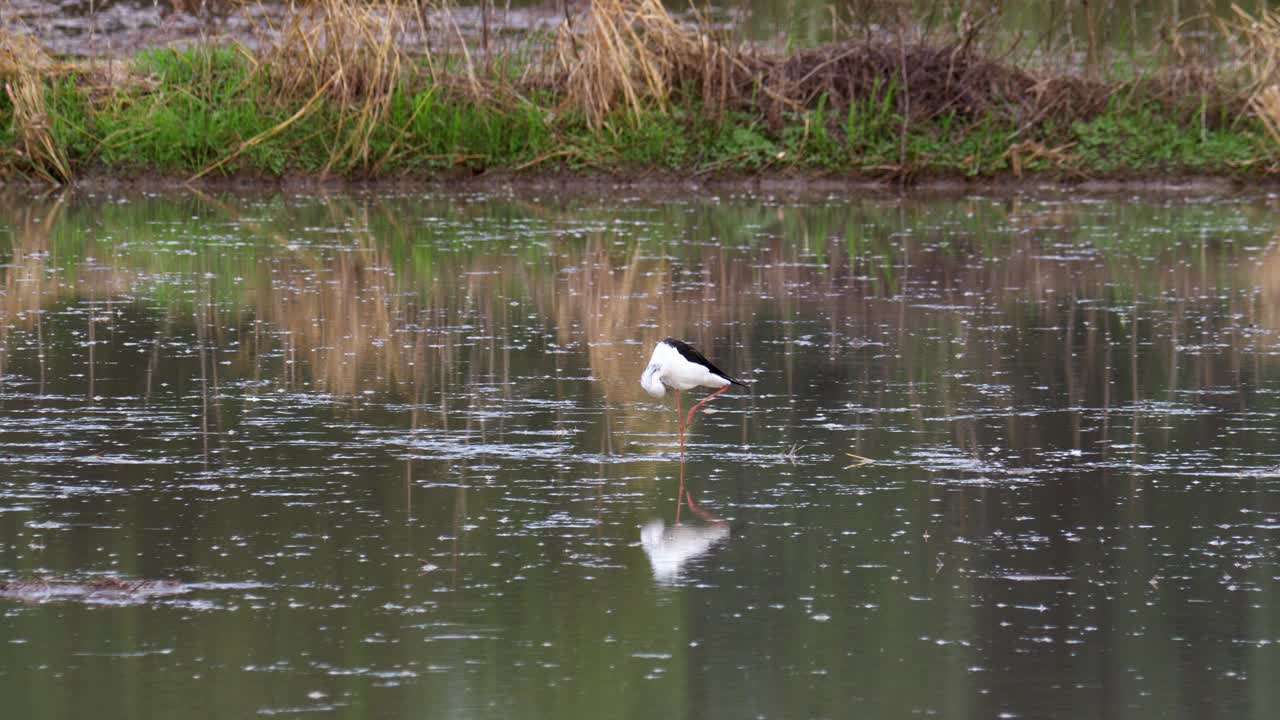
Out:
{"x": 680, "y": 495}
{"x": 680, "y": 419}
{"x": 702, "y": 402}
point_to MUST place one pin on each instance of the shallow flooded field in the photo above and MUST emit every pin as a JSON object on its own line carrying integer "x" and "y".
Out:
{"x": 388, "y": 457}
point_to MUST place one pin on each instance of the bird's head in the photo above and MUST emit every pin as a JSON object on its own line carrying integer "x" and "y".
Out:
{"x": 651, "y": 382}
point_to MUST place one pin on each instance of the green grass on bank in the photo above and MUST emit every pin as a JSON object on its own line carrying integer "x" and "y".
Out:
{"x": 211, "y": 110}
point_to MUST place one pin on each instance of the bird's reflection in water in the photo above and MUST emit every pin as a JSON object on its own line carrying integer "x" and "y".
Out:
{"x": 669, "y": 548}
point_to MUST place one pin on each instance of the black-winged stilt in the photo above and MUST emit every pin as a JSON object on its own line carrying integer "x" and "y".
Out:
{"x": 677, "y": 365}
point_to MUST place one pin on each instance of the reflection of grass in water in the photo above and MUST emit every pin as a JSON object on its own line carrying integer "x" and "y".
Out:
{"x": 408, "y": 295}
{"x": 149, "y": 248}
{"x": 155, "y": 239}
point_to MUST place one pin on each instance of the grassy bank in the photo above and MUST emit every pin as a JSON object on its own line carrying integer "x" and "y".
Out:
{"x": 625, "y": 88}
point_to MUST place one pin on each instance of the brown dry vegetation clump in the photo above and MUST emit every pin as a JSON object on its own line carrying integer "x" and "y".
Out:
{"x": 26, "y": 74}
{"x": 1259, "y": 38}
{"x": 345, "y": 51}
{"x": 635, "y": 55}
{"x": 24, "y": 67}
{"x": 351, "y": 51}
{"x": 928, "y": 80}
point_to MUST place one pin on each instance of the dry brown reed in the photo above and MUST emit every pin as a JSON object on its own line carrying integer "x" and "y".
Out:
{"x": 349, "y": 48}
{"x": 1258, "y": 38}
{"x": 633, "y": 54}
{"x": 348, "y": 51}
{"x": 24, "y": 67}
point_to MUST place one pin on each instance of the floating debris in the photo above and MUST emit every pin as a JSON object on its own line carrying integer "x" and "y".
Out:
{"x": 101, "y": 589}
{"x": 859, "y": 461}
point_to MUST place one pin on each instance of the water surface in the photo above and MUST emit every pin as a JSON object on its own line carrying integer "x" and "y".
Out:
{"x": 395, "y": 451}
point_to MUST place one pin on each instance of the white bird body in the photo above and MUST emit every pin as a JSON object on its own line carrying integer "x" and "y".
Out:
{"x": 678, "y": 366}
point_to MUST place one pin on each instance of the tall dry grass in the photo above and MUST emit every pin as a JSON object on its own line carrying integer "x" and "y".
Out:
{"x": 24, "y": 69}
{"x": 1258, "y": 37}
{"x": 632, "y": 54}
{"x": 349, "y": 52}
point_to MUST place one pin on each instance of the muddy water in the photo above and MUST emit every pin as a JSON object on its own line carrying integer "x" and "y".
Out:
{"x": 388, "y": 457}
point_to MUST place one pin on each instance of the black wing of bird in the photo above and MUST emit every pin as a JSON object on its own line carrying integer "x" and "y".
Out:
{"x": 690, "y": 353}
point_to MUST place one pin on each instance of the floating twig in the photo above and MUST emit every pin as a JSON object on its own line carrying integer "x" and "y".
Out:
{"x": 860, "y": 461}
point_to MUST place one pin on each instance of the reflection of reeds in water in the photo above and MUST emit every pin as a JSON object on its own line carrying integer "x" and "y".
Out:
{"x": 1266, "y": 277}
{"x": 25, "y": 288}
{"x": 347, "y": 321}
{"x": 334, "y": 317}
{"x": 363, "y": 316}
{"x": 32, "y": 283}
